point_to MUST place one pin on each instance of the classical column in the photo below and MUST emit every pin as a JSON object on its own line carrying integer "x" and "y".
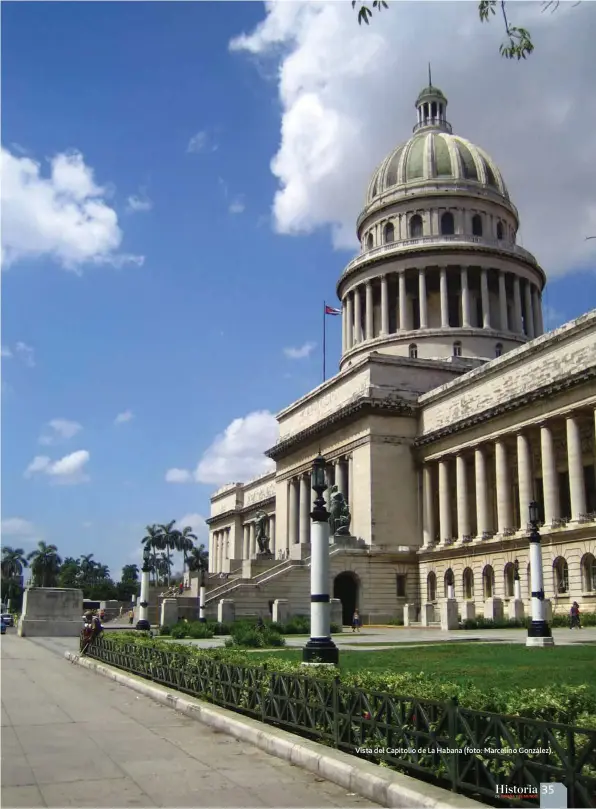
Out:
{"x": 504, "y": 520}
{"x": 529, "y": 311}
{"x": 369, "y": 311}
{"x": 351, "y": 485}
{"x": 465, "y": 298}
{"x": 536, "y": 311}
{"x": 341, "y": 477}
{"x": 550, "y": 478}
{"x": 503, "y": 302}
{"x": 350, "y": 322}
{"x": 463, "y": 517}
{"x": 428, "y": 527}
{"x": 482, "y": 519}
{"x": 444, "y": 299}
{"x": 222, "y": 539}
{"x": 211, "y": 551}
{"x": 293, "y": 513}
{"x": 404, "y": 321}
{"x": 252, "y": 541}
{"x": 344, "y": 331}
{"x": 485, "y": 298}
{"x": 357, "y": 316}
{"x": 272, "y": 543}
{"x": 524, "y": 473}
{"x": 445, "y": 530}
{"x": 422, "y": 299}
{"x": 143, "y": 622}
{"x": 518, "y": 327}
{"x": 384, "y": 306}
{"x": 246, "y": 541}
{"x": 577, "y": 487}
{"x": 304, "y": 509}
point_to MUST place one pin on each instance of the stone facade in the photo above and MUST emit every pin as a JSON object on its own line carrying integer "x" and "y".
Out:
{"x": 451, "y": 411}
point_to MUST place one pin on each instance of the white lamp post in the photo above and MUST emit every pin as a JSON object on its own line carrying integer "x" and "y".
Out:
{"x": 202, "y": 618}
{"x": 539, "y": 632}
{"x": 320, "y": 648}
{"x": 143, "y": 622}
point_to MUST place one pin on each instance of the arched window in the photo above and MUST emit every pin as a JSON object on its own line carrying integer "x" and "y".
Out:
{"x": 468, "y": 583}
{"x": 447, "y": 224}
{"x": 488, "y": 582}
{"x": 413, "y": 351}
{"x": 561, "y": 575}
{"x": 498, "y": 349}
{"x": 509, "y": 577}
{"x": 499, "y": 231}
{"x": 457, "y": 349}
{"x": 588, "y": 568}
{"x": 477, "y": 225}
{"x": 416, "y": 226}
{"x": 369, "y": 241}
{"x": 389, "y": 233}
{"x": 449, "y": 581}
{"x": 431, "y": 587}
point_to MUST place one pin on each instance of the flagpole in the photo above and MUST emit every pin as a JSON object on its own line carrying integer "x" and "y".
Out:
{"x": 324, "y": 337}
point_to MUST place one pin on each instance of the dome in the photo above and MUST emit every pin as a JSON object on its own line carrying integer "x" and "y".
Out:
{"x": 435, "y": 156}
{"x": 430, "y": 91}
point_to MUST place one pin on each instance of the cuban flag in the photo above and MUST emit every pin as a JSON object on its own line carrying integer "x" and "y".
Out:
{"x": 329, "y": 310}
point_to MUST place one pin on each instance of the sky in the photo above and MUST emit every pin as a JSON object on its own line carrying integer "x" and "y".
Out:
{"x": 180, "y": 184}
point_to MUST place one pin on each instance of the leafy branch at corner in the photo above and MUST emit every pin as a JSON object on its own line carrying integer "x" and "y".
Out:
{"x": 518, "y": 44}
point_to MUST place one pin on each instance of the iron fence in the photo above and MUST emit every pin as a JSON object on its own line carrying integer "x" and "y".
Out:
{"x": 465, "y": 750}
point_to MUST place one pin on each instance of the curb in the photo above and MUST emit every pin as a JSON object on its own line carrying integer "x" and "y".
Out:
{"x": 379, "y": 784}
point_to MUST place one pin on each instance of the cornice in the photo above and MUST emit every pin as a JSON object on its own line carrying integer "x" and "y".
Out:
{"x": 507, "y": 407}
{"x": 260, "y": 504}
{"x": 361, "y": 407}
{"x": 224, "y": 515}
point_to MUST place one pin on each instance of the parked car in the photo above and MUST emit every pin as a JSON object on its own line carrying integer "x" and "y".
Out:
{"x": 7, "y": 619}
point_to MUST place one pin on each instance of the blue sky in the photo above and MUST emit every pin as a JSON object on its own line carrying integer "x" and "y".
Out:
{"x": 180, "y": 133}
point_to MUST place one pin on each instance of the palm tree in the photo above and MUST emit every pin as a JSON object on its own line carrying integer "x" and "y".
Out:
{"x": 13, "y": 562}
{"x": 198, "y": 559}
{"x": 45, "y": 564}
{"x": 151, "y": 540}
{"x": 169, "y": 540}
{"x": 186, "y": 544}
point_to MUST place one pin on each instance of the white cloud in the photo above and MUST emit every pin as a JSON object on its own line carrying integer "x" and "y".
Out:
{"x": 63, "y": 216}
{"x": 237, "y": 206}
{"x": 60, "y": 429}
{"x": 138, "y": 204}
{"x": 122, "y": 418}
{"x": 17, "y": 527}
{"x": 178, "y": 476}
{"x": 68, "y": 470}
{"x": 26, "y": 354}
{"x": 300, "y": 353}
{"x": 201, "y": 143}
{"x": 347, "y": 94}
{"x": 553, "y": 318}
{"x": 237, "y": 453}
{"x": 197, "y": 523}
{"x": 5, "y": 352}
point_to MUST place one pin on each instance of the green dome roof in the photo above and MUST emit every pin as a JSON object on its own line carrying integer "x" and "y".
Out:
{"x": 430, "y": 91}
{"x": 435, "y": 156}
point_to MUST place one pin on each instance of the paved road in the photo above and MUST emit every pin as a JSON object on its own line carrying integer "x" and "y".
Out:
{"x": 74, "y": 738}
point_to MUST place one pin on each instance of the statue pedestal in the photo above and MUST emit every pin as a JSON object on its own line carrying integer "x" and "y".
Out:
{"x": 346, "y": 541}
{"x": 301, "y": 551}
{"x": 264, "y": 556}
{"x": 252, "y": 567}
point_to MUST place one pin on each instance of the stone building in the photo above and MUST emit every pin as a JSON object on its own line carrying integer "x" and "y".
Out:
{"x": 451, "y": 411}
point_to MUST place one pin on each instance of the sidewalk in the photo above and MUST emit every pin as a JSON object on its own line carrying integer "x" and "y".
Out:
{"x": 71, "y": 738}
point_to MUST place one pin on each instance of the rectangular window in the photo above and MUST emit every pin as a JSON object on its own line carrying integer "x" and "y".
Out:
{"x": 400, "y": 582}
{"x": 590, "y": 481}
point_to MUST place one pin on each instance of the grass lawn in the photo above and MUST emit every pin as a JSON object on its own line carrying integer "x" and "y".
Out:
{"x": 507, "y": 665}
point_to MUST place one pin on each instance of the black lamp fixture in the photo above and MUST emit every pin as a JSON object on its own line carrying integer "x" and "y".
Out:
{"x": 319, "y": 485}
{"x": 534, "y": 514}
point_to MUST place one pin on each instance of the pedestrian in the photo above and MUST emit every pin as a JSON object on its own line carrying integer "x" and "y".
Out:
{"x": 356, "y": 622}
{"x": 181, "y": 588}
{"x": 102, "y": 615}
{"x": 574, "y": 616}
{"x": 131, "y": 617}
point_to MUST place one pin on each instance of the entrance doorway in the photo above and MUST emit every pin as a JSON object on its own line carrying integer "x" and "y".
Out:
{"x": 345, "y": 587}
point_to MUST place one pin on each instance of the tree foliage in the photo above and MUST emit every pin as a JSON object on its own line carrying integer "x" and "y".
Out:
{"x": 518, "y": 43}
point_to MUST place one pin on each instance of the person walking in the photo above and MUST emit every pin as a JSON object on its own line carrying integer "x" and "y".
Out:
{"x": 574, "y": 616}
{"x": 131, "y": 617}
{"x": 356, "y": 622}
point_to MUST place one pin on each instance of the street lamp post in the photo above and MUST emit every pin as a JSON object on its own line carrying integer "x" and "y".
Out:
{"x": 320, "y": 648}
{"x": 143, "y": 622}
{"x": 539, "y": 632}
{"x": 202, "y": 618}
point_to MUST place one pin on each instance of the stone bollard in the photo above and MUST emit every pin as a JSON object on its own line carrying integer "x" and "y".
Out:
{"x": 516, "y": 609}
{"x": 493, "y": 609}
{"x": 427, "y": 614}
{"x": 410, "y": 614}
{"x": 548, "y": 610}
{"x": 449, "y": 616}
{"x": 169, "y": 612}
{"x": 468, "y": 611}
{"x": 281, "y": 610}
{"x": 226, "y": 611}
{"x": 337, "y": 615}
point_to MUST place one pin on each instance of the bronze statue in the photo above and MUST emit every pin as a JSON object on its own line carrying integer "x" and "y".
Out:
{"x": 261, "y": 525}
{"x": 340, "y": 517}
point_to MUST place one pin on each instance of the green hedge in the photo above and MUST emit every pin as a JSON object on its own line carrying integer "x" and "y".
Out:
{"x": 558, "y": 621}
{"x": 567, "y": 704}
{"x": 297, "y": 625}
